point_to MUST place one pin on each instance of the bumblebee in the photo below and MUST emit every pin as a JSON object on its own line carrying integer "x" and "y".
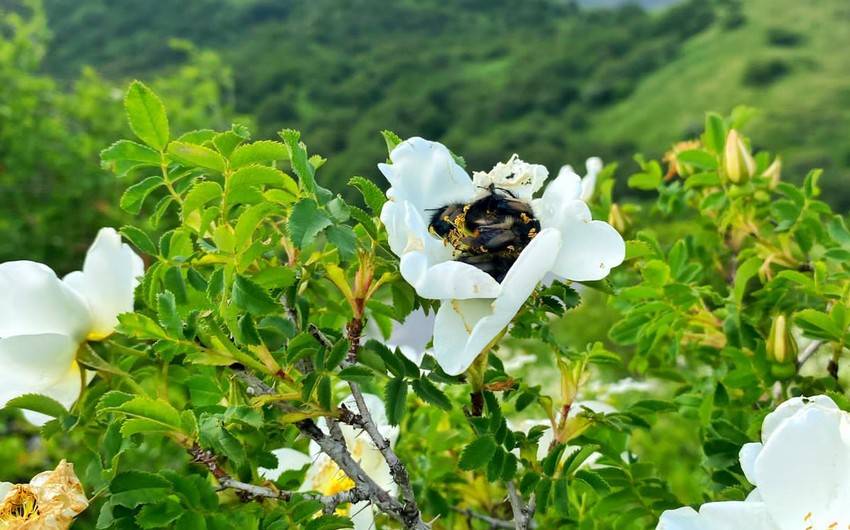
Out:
{"x": 489, "y": 233}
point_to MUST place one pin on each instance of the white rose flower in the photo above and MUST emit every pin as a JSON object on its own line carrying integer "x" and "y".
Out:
{"x": 425, "y": 180}
{"x": 801, "y": 471}
{"x": 325, "y": 477}
{"x": 44, "y": 320}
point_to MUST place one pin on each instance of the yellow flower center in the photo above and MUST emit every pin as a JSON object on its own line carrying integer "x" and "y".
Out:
{"x": 20, "y": 506}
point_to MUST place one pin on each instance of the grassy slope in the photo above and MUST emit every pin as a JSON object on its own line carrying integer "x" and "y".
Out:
{"x": 806, "y": 114}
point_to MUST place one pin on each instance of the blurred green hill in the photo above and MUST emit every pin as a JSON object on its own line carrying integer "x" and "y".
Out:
{"x": 548, "y": 79}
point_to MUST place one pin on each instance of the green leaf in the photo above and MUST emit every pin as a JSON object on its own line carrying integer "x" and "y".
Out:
{"x": 392, "y": 140}
{"x": 393, "y": 364}
{"x": 160, "y": 414}
{"x": 196, "y": 155}
{"x": 746, "y": 271}
{"x": 249, "y": 221}
{"x": 253, "y": 298}
{"x": 329, "y": 522}
{"x": 357, "y": 374}
{"x": 818, "y": 324}
{"x": 146, "y": 115}
{"x": 305, "y": 222}
{"x": 160, "y": 514}
{"x": 395, "y": 395}
{"x": 338, "y": 353}
{"x": 226, "y": 142}
{"x": 257, "y": 176}
{"x": 258, "y": 152}
{"x": 203, "y": 390}
{"x": 298, "y": 158}
{"x": 140, "y": 326}
{"x": 132, "y": 488}
{"x": 166, "y": 310}
{"x": 372, "y": 194}
{"x": 477, "y": 454}
{"x": 344, "y": 239}
{"x": 594, "y": 480}
{"x": 637, "y": 249}
{"x": 38, "y": 403}
{"x": 429, "y": 393}
{"x": 125, "y": 155}
{"x": 139, "y": 239}
{"x": 199, "y": 195}
{"x": 645, "y": 181}
{"x": 698, "y": 158}
{"x": 715, "y": 132}
{"x": 133, "y": 198}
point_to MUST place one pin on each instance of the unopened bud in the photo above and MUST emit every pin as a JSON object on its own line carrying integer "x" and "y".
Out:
{"x": 569, "y": 385}
{"x": 773, "y": 172}
{"x": 781, "y": 346}
{"x": 740, "y": 164}
{"x": 616, "y": 218}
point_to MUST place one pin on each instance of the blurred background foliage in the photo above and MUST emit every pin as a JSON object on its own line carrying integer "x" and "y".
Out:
{"x": 555, "y": 80}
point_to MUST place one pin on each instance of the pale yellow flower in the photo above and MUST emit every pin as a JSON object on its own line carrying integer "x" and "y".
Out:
{"x": 49, "y": 502}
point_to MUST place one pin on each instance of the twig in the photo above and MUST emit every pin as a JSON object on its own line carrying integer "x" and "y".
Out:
{"x": 397, "y": 469}
{"x": 251, "y": 491}
{"x": 807, "y": 354}
{"x": 319, "y": 336}
{"x": 523, "y": 514}
{"x": 492, "y": 521}
{"x": 333, "y": 445}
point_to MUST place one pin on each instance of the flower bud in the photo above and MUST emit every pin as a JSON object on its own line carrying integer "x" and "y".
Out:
{"x": 781, "y": 346}
{"x": 739, "y": 163}
{"x": 773, "y": 172}
{"x": 617, "y": 219}
{"x": 569, "y": 383}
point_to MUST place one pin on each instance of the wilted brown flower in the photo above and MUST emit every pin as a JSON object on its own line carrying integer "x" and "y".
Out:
{"x": 49, "y": 502}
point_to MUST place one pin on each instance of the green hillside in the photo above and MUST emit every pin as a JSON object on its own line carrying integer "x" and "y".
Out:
{"x": 787, "y": 58}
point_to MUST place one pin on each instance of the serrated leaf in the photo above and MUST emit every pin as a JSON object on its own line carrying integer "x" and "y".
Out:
{"x": 298, "y": 158}
{"x": 697, "y": 158}
{"x": 258, "y": 152}
{"x": 429, "y": 393}
{"x": 477, "y": 454}
{"x": 159, "y": 514}
{"x": 196, "y": 155}
{"x": 139, "y": 239}
{"x": 594, "y": 480}
{"x": 344, "y": 239}
{"x": 338, "y": 353}
{"x": 818, "y": 324}
{"x": 133, "y": 198}
{"x": 252, "y": 298}
{"x": 305, "y": 222}
{"x": 161, "y": 415}
{"x": 393, "y": 364}
{"x": 140, "y": 326}
{"x": 199, "y": 195}
{"x": 357, "y": 374}
{"x": 146, "y": 115}
{"x": 249, "y": 221}
{"x": 38, "y": 403}
{"x": 132, "y": 151}
{"x": 395, "y": 395}
{"x": 257, "y": 176}
{"x": 132, "y": 488}
{"x": 392, "y": 140}
{"x": 372, "y": 194}
{"x": 329, "y": 522}
{"x": 166, "y": 310}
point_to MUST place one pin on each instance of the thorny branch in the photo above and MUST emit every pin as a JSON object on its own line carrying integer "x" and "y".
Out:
{"x": 248, "y": 492}
{"x": 523, "y": 513}
{"x": 492, "y": 521}
{"x": 333, "y": 445}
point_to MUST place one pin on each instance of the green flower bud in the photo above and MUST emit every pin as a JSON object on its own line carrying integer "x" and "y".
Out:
{"x": 781, "y": 346}
{"x": 739, "y": 163}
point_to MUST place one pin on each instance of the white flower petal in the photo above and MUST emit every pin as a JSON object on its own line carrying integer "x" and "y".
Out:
{"x": 426, "y": 175}
{"x": 35, "y": 301}
{"x": 463, "y": 328}
{"x": 393, "y": 216}
{"x": 449, "y": 279}
{"x": 588, "y": 183}
{"x": 66, "y": 391}
{"x": 109, "y": 276}
{"x": 520, "y": 179}
{"x": 789, "y": 409}
{"x": 731, "y": 515}
{"x": 590, "y": 248}
{"x": 32, "y": 363}
{"x": 803, "y": 471}
{"x": 287, "y": 460}
{"x": 565, "y": 188}
{"x": 362, "y": 516}
{"x": 748, "y": 454}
